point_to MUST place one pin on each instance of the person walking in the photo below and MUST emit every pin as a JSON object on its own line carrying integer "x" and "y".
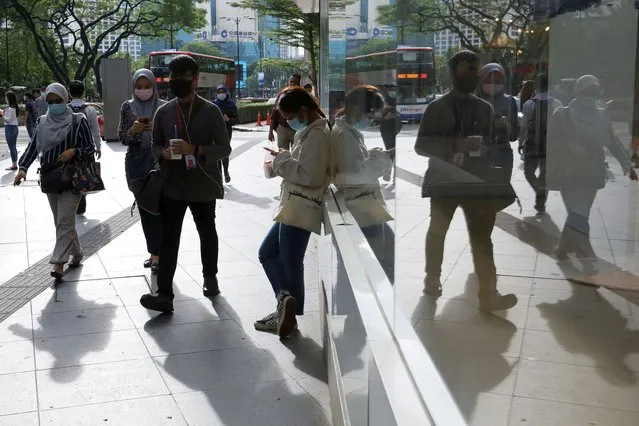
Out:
{"x": 533, "y": 138}
{"x": 30, "y": 114}
{"x": 285, "y": 134}
{"x": 526, "y": 93}
{"x": 454, "y": 134}
{"x": 576, "y": 166}
{"x": 61, "y": 135}
{"x": 189, "y": 141}
{"x": 10, "y": 115}
{"x": 76, "y": 91}
{"x": 305, "y": 173}
{"x": 41, "y": 103}
{"x": 135, "y": 131}
{"x": 231, "y": 116}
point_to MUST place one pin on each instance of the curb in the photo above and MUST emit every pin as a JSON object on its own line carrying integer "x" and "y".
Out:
{"x": 250, "y": 129}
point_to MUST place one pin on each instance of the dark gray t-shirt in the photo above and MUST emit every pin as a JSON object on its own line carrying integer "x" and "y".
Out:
{"x": 206, "y": 129}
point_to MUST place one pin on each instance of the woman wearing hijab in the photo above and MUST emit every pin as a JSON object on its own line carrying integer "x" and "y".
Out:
{"x": 135, "y": 130}
{"x": 60, "y": 135}
{"x": 578, "y": 135}
{"x": 492, "y": 79}
{"x": 229, "y": 110}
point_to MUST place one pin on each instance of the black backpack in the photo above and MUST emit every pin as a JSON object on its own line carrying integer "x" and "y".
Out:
{"x": 537, "y": 130}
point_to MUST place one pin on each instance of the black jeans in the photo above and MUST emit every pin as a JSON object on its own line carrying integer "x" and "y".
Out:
{"x": 152, "y": 227}
{"x": 531, "y": 164}
{"x": 172, "y": 213}
{"x": 480, "y": 220}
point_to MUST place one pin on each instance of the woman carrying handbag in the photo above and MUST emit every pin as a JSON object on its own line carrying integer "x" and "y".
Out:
{"x": 305, "y": 175}
{"x": 135, "y": 130}
{"x": 61, "y": 136}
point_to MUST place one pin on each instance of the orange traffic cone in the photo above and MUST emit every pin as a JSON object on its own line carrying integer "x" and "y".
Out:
{"x": 268, "y": 118}
{"x": 259, "y": 120}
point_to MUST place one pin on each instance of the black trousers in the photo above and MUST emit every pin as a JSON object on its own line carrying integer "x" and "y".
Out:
{"x": 172, "y": 213}
{"x": 531, "y": 164}
{"x": 480, "y": 220}
{"x": 152, "y": 227}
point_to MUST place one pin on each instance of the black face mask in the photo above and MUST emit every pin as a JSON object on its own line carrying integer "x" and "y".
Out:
{"x": 181, "y": 88}
{"x": 466, "y": 84}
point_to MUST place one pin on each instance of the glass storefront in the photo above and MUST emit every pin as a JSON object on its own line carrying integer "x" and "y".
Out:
{"x": 486, "y": 152}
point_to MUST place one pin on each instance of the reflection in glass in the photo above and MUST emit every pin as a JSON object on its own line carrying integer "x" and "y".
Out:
{"x": 358, "y": 170}
{"x": 469, "y": 167}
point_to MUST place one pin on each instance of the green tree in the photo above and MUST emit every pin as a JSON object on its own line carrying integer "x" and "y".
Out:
{"x": 24, "y": 66}
{"x": 68, "y": 34}
{"x": 297, "y": 29}
{"x": 203, "y": 47}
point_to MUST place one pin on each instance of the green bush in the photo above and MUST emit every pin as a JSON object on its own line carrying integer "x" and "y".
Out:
{"x": 248, "y": 111}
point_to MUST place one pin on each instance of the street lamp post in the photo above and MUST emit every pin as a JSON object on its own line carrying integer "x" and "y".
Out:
{"x": 6, "y": 42}
{"x": 238, "y": 70}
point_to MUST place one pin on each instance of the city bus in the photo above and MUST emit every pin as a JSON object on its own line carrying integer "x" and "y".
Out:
{"x": 213, "y": 72}
{"x": 409, "y": 71}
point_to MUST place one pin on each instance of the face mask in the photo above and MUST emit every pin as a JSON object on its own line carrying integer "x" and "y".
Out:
{"x": 221, "y": 96}
{"x": 42, "y": 95}
{"x": 57, "y": 109}
{"x": 144, "y": 94}
{"x": 466, "y": 84}
{"x": 181, "y": 88}
{"x": 493, "y": 89}
{"x": 363, "y": 123}
{"x": 297, "y": 125}
{"x": 392, "y": 94}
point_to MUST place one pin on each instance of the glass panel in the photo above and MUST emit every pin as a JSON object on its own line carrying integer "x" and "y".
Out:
{"x": 516, "y": 207}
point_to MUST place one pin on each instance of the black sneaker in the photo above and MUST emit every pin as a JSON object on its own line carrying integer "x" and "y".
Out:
{"x": 286, "y": 321}
{"x": 157, "y": 302}
{"x": 211, "y": 287}
{"x": 227, "y": 178}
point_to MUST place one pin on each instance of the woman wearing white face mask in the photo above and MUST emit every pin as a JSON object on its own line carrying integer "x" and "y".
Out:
{"x": 60, "y": 136}
{"x": 305, "y": 175}
{"x": 135, "y": 130}
{"x": 357, "y": 170}
{"x": 229, "y": 111}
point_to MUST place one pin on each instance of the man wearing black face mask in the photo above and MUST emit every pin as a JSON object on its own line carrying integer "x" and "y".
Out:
{"x": 453, "y": 134}
{"x": 189, "y": 140}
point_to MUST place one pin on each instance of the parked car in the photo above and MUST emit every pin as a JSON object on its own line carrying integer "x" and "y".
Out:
{"x": 100, "y": 110}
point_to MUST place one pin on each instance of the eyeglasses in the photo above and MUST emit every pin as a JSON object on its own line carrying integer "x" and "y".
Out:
{"x": 55, "y": 101}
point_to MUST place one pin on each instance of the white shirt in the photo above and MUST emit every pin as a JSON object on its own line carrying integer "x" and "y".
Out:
{"x": 92, "y": 118}
{"x": 10, "y": 117}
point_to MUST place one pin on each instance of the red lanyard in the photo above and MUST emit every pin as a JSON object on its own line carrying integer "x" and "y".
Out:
{"x": 180, "y": 116}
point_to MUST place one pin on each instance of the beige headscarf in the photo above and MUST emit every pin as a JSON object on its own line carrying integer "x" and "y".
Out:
{"x": 53, "y": 129}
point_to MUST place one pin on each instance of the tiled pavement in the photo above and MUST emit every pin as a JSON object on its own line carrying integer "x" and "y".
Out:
{"x": 86, "y": 353}
{"x": 567, "y": 354}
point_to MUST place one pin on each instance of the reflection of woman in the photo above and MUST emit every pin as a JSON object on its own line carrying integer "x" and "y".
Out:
{"x": 136, "y": 116}
{"x": 358, "y": 169}
{"x": 10, "y": 115}
{"x": 576, "y": 157}
{"x": 57, "y": 140}
{"x": 526, "y": 93}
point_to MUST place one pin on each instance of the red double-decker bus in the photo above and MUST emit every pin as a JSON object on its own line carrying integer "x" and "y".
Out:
{"x": 213, "y": 72}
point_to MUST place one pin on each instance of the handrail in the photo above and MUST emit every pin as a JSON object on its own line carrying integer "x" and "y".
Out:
{"x": 402, "y": 359}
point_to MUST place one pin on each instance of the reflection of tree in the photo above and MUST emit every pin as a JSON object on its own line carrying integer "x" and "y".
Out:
{"x": 493, "y": 22}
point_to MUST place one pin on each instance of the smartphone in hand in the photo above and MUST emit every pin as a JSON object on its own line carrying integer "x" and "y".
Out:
{"x": 144, "y": 120}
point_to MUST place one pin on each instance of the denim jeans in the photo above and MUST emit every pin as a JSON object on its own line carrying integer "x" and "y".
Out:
{"x": 11, "y": 134}
{"x": 282, "y": 256}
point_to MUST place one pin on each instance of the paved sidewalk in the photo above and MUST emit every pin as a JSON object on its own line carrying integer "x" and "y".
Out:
{"x": 567, "y": 354}
{"x": 86, "y": 353}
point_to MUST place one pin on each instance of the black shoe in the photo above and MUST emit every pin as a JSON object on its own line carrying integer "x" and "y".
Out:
{"x": 227, "y": 178}
{"x": 157, "y": 302}
{"x": 155, "y": 268}
{"x": 82, "y": 207}
{"x": 148, "y": 262}
{"x": 211, "y": 287}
